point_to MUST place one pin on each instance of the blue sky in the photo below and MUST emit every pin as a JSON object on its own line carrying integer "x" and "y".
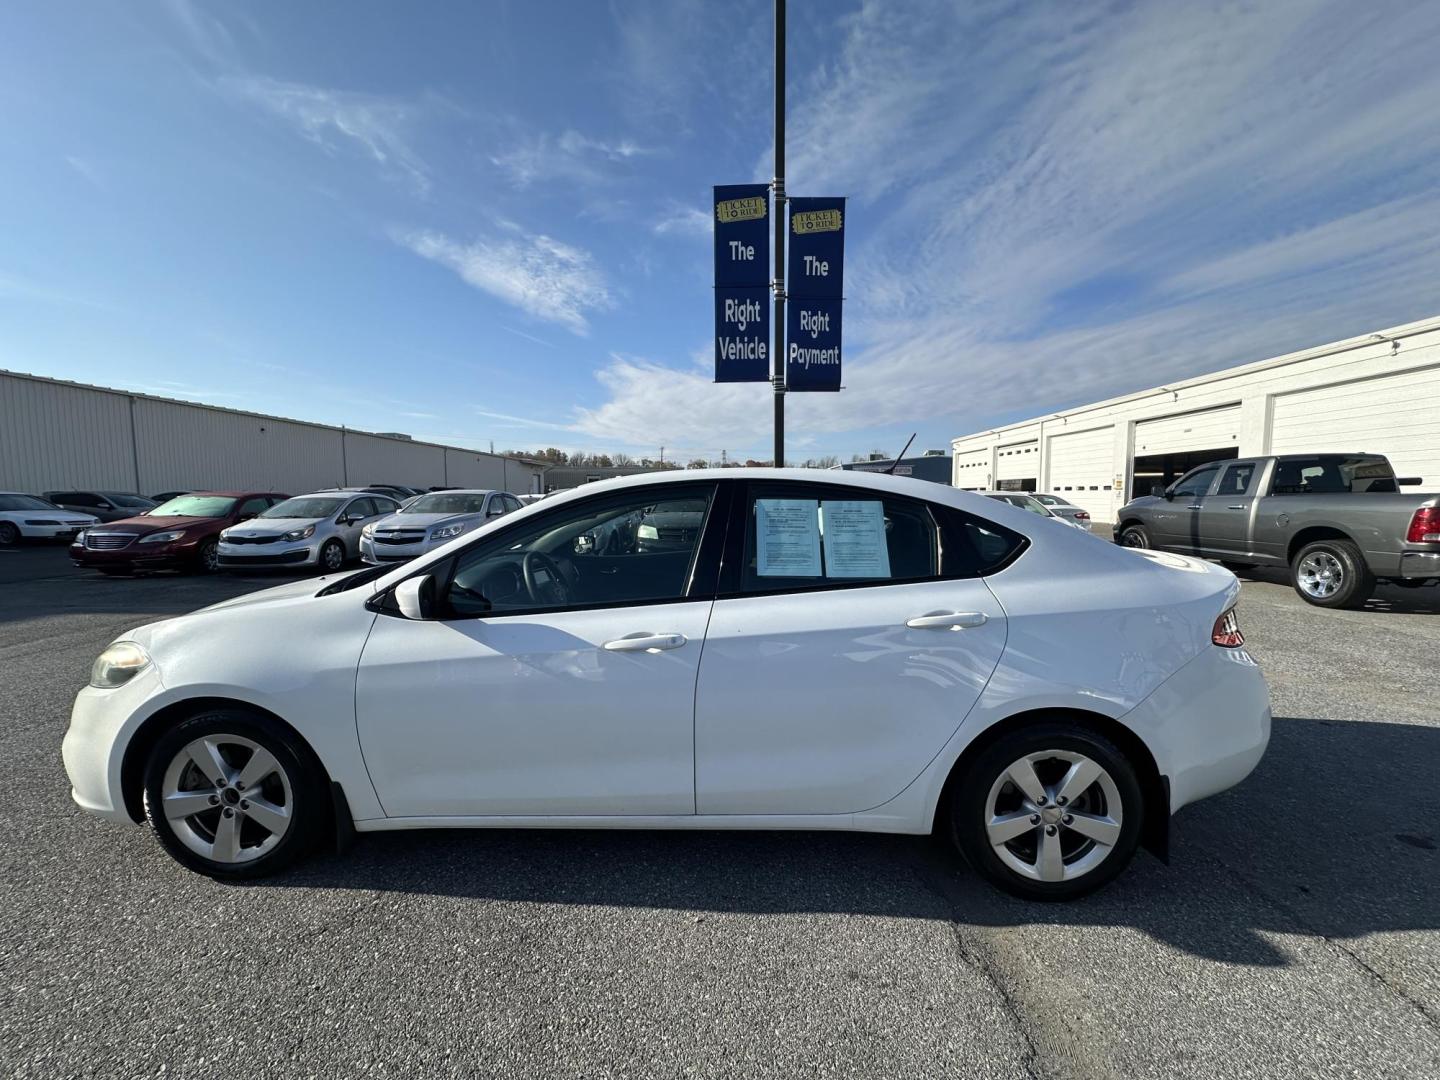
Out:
{"x": 488, "y": 221}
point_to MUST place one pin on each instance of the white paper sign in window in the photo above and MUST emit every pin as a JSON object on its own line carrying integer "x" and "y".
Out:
{"x": 787, "y": 538}
{"x": 855, "y": 544}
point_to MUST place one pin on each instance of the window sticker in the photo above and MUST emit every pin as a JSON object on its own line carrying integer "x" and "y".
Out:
{"x": 855, "y": 544}
{"x": 787, "y": 537}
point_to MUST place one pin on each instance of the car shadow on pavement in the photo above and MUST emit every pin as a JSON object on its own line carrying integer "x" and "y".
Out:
{"x": 1334, "y": 836}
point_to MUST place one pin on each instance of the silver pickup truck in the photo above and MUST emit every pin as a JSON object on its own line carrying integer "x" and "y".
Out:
{"x": 1338, "y": 521}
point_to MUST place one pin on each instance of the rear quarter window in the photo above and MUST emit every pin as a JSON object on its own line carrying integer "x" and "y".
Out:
{"x": 974, "y": 546}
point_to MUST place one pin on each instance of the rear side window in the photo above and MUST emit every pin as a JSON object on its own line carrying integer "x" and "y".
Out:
{"x": 973, "y": 546}
{"x": 801, "y": 536}
{"x": 1235, "y": 480}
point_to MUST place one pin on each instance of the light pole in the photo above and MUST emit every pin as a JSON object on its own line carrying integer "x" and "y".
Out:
{"x": 777, "y": 362}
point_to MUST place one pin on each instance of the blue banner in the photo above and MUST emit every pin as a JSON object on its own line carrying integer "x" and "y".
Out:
{"x": 812, "y": 342}
{"x": 742, "y": 335}
{"x": 742, "y": 283}
{"x": 742, "y": 236}
{"x": 815, "y": 261}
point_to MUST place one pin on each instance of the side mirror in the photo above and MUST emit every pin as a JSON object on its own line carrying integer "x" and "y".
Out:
{"x": 1409, "y": 481}
{"x": 495, "y": 511}
{"x": 584, "y": 543}
{"x": 415, "y": 597}
{"x": 105, "y": 505}
{"x": 1158, "y": 491}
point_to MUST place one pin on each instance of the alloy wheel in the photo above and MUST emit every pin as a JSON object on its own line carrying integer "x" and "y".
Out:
{"x": 227, "y": 798}
{"x": 1054, "y": 815}
{"x": 1320, "y": 574}
{"x": 1132, "y": 538}
{"x": 333, "y": 556}
{"x": 210, "y": 557}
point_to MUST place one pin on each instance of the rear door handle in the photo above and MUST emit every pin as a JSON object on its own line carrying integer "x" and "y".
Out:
{"x": 948, "y": 620}
{"x": 1241, "y": 507}
{"x": 1195, "y": 506}
{"x": 644, "y": 642}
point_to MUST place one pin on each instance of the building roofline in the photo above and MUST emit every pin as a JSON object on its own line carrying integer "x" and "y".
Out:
{"x": 341, "y": 428}
{"x": 1422, "y": 326}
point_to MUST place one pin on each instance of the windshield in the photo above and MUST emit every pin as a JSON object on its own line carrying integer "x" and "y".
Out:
{"x": 446, "y": 502}
{"x": 304, "y": 508}
{"x": 201, "y": 506}
{"x": 25, "y": 502}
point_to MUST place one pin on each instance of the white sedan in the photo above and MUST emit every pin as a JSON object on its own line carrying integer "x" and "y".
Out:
{"x": 26, "y": 516}
{"x": 858, "y": 652}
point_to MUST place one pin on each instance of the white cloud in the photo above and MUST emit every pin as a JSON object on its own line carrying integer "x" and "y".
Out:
{"x": 376, "y": 125}
{"x": 680, "y": 220}
{"x": 541, "y": 276}
{"x": 570, "y": 156}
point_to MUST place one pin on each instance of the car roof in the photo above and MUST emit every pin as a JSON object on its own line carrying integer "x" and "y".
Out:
{"x": 462, "y": 491}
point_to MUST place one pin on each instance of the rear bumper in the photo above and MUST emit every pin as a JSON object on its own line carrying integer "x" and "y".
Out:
{"x": 1418, "y": 565}
{"x": 1208, "y": 725}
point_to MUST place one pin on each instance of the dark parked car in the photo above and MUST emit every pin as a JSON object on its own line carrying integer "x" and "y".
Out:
{"x": 181, "y": 534}
{"x": 166, "y": 496}
{"x": 105, "y": 505}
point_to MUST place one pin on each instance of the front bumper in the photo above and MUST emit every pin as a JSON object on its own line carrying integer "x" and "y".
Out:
{"x": 139, "y": 556}
{"x": 93, "y": 750}
{"x": 373, "y": 553}
{"x": 1208, "y": 725}
{"x": 245, "y": 556}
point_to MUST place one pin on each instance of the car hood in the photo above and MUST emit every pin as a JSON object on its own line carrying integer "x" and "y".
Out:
{"x": 288, "y": 591}
{"x": 424, "y": 521}
{"x": 272, "y": 526}
{"x": 143, "y": 526}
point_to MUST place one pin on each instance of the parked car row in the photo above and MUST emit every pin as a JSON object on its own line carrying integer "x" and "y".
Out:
{"x": 1051, "y": 506}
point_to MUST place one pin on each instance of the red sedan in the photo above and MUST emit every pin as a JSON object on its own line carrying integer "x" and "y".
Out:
{"x": 181, "y": 534}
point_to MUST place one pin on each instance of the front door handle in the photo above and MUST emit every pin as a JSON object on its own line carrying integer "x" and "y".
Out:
{"x": 948, "y": 620}
{"x": 1240, "y": 507}
{"x": 1195, "y": 506}
{"x": 643, "y": 642}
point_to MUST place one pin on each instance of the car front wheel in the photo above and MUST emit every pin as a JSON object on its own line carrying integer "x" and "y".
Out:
{"x": 1134, "y": 536}
{"x": 230, "y": 794}
{"x": 332, "y": 556}
{"x": 1048, "y": 812}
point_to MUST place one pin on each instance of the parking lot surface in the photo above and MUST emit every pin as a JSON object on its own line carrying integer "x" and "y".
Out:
{"x": 1296, "y": 931}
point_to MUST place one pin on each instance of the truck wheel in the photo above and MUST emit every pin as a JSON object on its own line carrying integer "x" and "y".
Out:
{"x": 1134, "y": 536}
{"x": 1332, "y": 574}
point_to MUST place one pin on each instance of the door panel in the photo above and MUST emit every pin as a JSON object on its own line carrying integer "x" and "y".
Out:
{"x": 531, "y": 714}
{"x": 1224, "y": 516}
{"x": 827, "y": 702}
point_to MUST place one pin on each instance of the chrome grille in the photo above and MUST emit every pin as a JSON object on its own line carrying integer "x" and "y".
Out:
{"x": 107, "y": 541}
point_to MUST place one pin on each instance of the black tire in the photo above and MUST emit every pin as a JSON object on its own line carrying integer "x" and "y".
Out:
{"x": 970, "y": 809}
{"x": 9, "y": 533}
{"x": 1341, "y": 558}
{"x": 1134, "y": 536}
{"x": 328, "y": 556}
{"x": 207, "y": 557}
{"x": 306, "y": 799}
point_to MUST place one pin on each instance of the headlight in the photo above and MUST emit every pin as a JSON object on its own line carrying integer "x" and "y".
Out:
{"x": 447, "y": 531}
{"x": 647, "y": 532}
{"x": 118, "y": 664}
{"x": 79, "y": 537}
{"x": 224, "y": 534}
{"x": 299, "y": 534}
{"x": 368, "y": 530}
{"x": 162, "y": 537}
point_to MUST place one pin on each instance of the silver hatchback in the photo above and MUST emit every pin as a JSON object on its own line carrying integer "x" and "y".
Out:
{"x": 321, "y": 529}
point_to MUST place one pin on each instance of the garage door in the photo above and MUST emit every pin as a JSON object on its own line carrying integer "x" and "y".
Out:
{"x": 1394, "y": 415}
{"x": 1017, "y": 466}
{"x": 1210, "y": 429}
{"x": 971, "y": 470}
{"x": 1082, "y": 470}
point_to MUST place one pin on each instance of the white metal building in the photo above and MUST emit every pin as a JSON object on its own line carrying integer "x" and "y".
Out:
{"x": 57, "y": 435}
{"x": 1379, "y": 393}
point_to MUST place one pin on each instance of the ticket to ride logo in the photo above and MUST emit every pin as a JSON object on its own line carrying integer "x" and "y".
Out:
{"x": 740, "y": 209}
{"x": 813, "y": 221}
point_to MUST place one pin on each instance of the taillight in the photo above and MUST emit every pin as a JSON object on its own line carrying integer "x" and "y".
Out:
{"x": 1081, "y": 515}
{"x": 1227, "y": 631}
{"x": 1424, "y": 526}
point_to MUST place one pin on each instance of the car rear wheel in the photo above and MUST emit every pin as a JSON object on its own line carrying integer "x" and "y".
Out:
{"x": 229, "y": 794}
{"x": 1134, "y": 536}
{"x": 1049, "y": 812}
{"x": 9, "y": 533}
{"x": 207, "y": 559}
{"x": 1333, "y": 574}
{"x": 332, "y": 556}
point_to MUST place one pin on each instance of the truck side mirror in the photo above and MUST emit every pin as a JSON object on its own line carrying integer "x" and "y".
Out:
{"x": 1158, "y": 490}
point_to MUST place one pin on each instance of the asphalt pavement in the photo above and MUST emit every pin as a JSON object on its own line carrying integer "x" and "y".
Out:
{"x": 1296, "y": 931}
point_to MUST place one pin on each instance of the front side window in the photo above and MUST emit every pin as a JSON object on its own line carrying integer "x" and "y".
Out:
{"x": 597, "y": 553}
{"x": 1197, "y": 483}
{"x": 801, "y": 536}
{"x": 253, "y": 507}
{"x": 1236, "y": 479}
{"x": 198, "y": 506}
